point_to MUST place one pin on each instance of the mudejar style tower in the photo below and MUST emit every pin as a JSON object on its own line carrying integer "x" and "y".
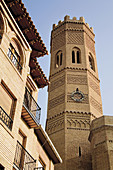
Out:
{"x": 74, "y": 92}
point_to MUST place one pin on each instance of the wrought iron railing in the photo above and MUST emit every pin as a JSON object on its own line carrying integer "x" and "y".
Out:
{"x": 14, "y": 60}
{"x": 6, "y": 119}
{"x": 23, "y": 160}
{"x": 32, "y": 105}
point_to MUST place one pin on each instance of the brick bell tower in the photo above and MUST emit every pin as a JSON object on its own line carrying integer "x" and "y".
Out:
{"x": 74, "y": 92}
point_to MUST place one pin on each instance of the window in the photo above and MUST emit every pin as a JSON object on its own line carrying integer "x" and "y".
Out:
{"x": 59, "y": 59}
{"x": 28, "y": 98}
{"x": 20, "y": 153}
{"x": 13, "y": 54}
{"x": 73, "y": 57}
{"x": 76, "y": 56}
{"x": 7, "y": 105}
{"x": 22, "y": 138}
{"x": 8, "y": 101}
{"x": 79, "y": 151}
{"x": 91, "y": 62}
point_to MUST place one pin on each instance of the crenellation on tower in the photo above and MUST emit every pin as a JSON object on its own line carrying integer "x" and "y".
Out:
{"x": 80, "y": 21}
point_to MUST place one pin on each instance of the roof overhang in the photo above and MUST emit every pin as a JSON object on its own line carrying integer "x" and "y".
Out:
{"x": 26, "y": 25}
{"x": 47, "y": 145}
{"x": 37, "y": 74}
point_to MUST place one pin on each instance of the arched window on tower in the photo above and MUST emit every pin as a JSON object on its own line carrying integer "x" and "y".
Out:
{"x": 91, "y": 62}
{"x": 59, "y": 59}
{"x": 73, "y": 57}
{"x": 76, "y": 55}
{"x": 80, "y": 151}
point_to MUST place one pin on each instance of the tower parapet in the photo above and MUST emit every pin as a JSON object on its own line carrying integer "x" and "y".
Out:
{"x": 67, "y": 19}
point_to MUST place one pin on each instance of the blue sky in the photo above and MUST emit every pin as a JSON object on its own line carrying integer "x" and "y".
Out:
{"x": 99, "y": 15}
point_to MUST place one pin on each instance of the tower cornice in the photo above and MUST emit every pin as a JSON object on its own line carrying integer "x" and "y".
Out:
{"x": 72, "y": 112}
{"x": 73, "y": 68}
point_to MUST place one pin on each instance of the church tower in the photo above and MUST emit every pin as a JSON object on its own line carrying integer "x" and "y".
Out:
{"x": 74, "y": 98}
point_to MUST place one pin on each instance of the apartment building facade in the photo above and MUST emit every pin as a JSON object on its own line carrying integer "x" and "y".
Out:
{"x": 23, "y": 142}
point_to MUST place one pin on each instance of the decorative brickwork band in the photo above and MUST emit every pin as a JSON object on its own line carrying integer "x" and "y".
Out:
{"x": 57, "y": 83}
{"x": 94, "y": 86}
{"x": 55, "y": 126}
{"x": 56, "y": 101}
{"x": 84, "y": 70}
{"x": 78, "y": 123}
{"x": 90, "y": 44}
{"x": 96, "y": 104}
{"x": 75, "y": 38}
{"x": 76, "y": 79}
{"x": 59, "y": 41}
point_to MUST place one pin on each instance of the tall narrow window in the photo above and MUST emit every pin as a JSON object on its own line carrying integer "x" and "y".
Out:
{"x": 91, "y": 62}
{"x": 57, "y": 60}
{"x": 22, "y": 158}
{"x": 73, "y": 57}
{"x": 78, "y": 57}
{"x": 79, "y": 151}
{"x": 60, "y": 59}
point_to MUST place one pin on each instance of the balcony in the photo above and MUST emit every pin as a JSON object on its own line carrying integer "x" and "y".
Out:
{"x": 30, "y": 110}
{"x": 14, "y": 58}
{"x": 23, "y": 160}
{"x": 6, "y": 118}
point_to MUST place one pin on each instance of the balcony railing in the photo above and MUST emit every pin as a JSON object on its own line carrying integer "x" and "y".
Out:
{"x": 23, "y": 160}
{"x": 14, "y": 60}
{"x": 5, "y": 118}
{"x": 32, "y": 106}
